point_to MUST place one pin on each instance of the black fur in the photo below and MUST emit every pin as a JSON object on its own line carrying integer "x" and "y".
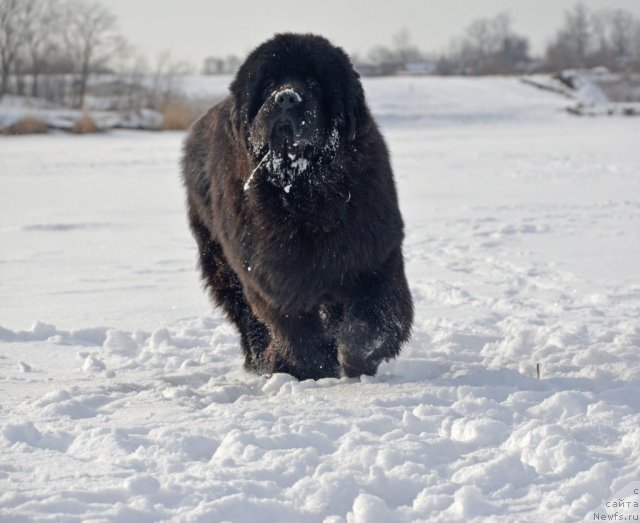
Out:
{"x": 292, "y": 201}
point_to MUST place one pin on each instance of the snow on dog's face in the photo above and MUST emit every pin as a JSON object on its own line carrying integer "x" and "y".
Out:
{"x": 297, "y": 100}
{"x": 290, "y": 122}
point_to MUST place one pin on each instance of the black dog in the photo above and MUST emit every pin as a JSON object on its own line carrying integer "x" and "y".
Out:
{"x": 292, "y": 201}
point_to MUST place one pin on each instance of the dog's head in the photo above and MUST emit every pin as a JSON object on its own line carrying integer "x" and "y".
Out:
{"x": 296, "y": 100}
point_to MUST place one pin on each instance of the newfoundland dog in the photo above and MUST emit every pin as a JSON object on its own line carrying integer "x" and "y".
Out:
{"x": 292, "y": 202}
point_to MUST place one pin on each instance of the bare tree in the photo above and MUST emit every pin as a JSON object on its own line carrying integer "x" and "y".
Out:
{"x": 133, "y": 71}
{"x": 488, "y": 46}
{"x": 405, "y": 50}
{"x": 600, "y": 26}
{"x": 575, "y": 40}
{"x": 165, "y": 84}
{"x": 91, "y": 40}
{"x": 622, "y": 29}
{"x": 578, "y": 32}
{"x": 390, "y": 60}
{"x": 608, "y": 37}
{"x": 615, "y": 31}
{"x": 41, "y": 42}
{"x": 484, "y": 37}
{"x": 13, "y": 16}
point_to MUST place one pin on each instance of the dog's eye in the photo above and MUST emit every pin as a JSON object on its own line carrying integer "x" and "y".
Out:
{"x": 268, "y": 86}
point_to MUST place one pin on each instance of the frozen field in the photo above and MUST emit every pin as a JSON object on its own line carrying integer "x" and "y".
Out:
{"x": 122, "y": 395}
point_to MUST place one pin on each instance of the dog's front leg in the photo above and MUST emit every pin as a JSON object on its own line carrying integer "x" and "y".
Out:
{"x": 302, "y": 347}
{"x": 300, "y": 344}
{"x": 377, "y": 319}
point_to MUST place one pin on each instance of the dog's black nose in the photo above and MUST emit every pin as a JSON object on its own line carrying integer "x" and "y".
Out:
{"x": 287, "y": 98}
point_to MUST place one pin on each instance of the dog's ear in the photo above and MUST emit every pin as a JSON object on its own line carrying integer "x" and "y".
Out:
{"x": 354, "y": 106}
{"x": 236, "y": 119}
{"x": 240, "y": 90}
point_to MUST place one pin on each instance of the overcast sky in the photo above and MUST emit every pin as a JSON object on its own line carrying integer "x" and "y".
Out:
{"x": 194, "y": 29}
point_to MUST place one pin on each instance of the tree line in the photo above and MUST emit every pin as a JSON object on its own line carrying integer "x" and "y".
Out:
{"x": 50, "y": 48}
{"x": 604, "y": 37}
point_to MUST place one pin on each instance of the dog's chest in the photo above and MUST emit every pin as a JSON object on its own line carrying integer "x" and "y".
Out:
{"x": 295, "y": 272}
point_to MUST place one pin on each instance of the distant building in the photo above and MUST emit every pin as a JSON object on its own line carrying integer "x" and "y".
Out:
{"x": 213, "y": 65}
{"x": 216, "y": 65}
{"x": 396, "y": 68}
{"x": 418, "y": 68}
{"x": 367, "y": 69}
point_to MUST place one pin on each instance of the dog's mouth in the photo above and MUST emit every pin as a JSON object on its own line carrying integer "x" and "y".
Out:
{"x": 287, "y": 151}
{"x": 282, "y": 166}
{"x": 284, "y": 156}
{"x": 282, "y": 138}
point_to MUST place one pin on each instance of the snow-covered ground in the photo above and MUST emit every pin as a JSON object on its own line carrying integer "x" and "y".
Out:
{"x": 122, "y": 396}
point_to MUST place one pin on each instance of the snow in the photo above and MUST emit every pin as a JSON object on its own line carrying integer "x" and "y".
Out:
{"x": 587, "y": 91}
{"x": 123, "y": 398}
{"x": 595, "y": 92}
{"x": 14, "y": 109}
